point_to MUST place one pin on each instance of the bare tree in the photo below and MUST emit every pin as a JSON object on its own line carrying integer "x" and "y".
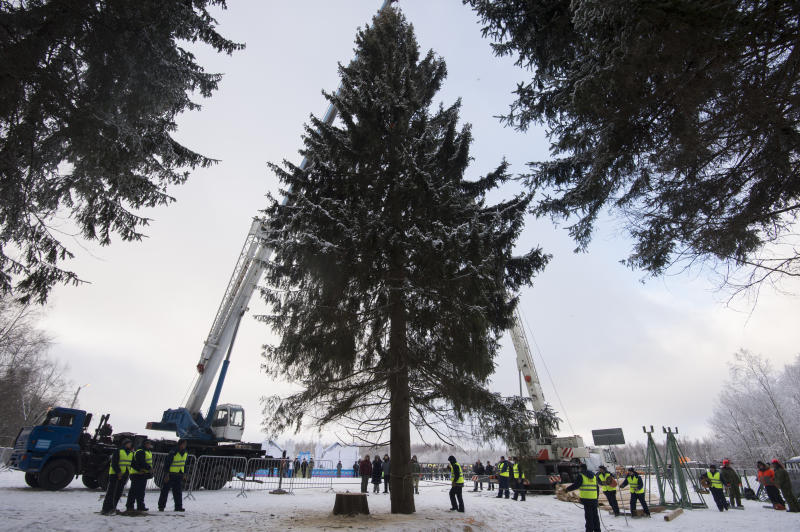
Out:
{"x": 30, "y": 380}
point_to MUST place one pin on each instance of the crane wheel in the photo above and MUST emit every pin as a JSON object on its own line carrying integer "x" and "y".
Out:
{"x": 90, "y": 482}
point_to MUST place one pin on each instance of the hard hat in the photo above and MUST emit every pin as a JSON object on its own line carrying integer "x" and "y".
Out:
{"x": 726, "y": 462}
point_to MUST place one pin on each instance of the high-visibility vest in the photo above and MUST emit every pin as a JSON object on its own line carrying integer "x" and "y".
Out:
{"x": 148, "y": 458}
{"x": 714, "y": 479}
{"x": 125, "y": 458}
{"x": 633, "y": 482}
{"x": 603, "y": 478}
{"x": 178, "y": 462}
{"x": 588, "y": 489}
{"x": 517, "y": 472}
{"x": 504, "y": 469}
{"x": 456, "y": 479}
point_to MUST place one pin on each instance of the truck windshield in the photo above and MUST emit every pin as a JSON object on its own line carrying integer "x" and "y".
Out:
{"x": 59, "y": 419}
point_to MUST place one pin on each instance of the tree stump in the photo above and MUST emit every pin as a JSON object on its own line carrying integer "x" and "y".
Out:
{"x": 351, "y": 504}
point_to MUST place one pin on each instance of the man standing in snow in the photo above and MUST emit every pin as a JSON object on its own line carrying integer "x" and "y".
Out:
{"x": 503, "y": 471}
{"x": 637, "y": 491}
{"x": 589, "y": 492}
{"x": 610, "y": 491}
{"x": 457, "y": 479}
{"x": 479, "y": 471}
{"x": 416, "y": 470}
{"x": 118, "y": 470}
{"x": 715, "y": 485}
{"x": 732, "y": 479}
{"x": 174, "y": 465}
{"x": 783, "y": 481}
{"x": 365, "y": 468}
{"x": 339, "y": 469}
{"x": 387, "y": 467}
{"x": 489, "y": 470}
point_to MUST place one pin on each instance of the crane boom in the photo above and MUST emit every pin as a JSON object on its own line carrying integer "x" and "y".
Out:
{"x": 525, "y": 363}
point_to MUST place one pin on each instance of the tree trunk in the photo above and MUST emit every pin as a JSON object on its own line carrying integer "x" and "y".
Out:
{"x": 400, "y": 481}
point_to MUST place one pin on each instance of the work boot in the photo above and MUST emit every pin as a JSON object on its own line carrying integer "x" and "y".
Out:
{"x": 180, "y": 510}
{"x": 160, "y": 508}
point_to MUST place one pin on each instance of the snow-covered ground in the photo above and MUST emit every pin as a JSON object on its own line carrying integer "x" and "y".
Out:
{"x": 76, "y": 509}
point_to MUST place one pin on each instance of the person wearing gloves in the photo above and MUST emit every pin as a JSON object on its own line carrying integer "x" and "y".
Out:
{"x": 589, "y": 493}
{"x": 609, "y": 486}
{"x": 457, "y": 480}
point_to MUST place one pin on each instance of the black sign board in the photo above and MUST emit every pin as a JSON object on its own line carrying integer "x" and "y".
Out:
{"x": 608, "y": 437}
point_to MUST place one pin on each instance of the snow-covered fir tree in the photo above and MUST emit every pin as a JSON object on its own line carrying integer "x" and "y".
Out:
{"x": 392, "y": 278}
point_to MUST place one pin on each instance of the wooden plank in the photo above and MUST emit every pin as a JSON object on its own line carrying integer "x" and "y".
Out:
{"x": 673, "y": 514}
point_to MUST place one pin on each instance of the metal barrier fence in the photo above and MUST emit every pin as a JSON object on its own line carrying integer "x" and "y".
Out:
{"x": 159, "y": 460}
{"x": 214, "y": 472}
{"x": 321, "y": 475}
{"x": 266, "y": 474}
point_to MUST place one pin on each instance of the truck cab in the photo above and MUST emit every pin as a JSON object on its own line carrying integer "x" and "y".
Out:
{"x": 49, "y": 452}
{"x": 228, "y": 423}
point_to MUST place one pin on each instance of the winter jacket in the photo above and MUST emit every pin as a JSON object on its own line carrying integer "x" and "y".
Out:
{"x": 377, "y": 469}
{"x": 387, "y": 465}
{"x": 782, "y": 479}
{"x": 415, "y": 468}
{"x": 139, "y": 462}
{"x": 640, "y": 483}
{"x": 766, "y": 477}
{"x": 729, "y": 476}
{"x": 489, "y": 470}
{"x": 365, "y": 467}
{"x": 478, "y": 469}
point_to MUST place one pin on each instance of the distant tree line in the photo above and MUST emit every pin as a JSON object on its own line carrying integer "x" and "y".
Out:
{"x": 754, "y": 417}
{"x": 30, "y": 380}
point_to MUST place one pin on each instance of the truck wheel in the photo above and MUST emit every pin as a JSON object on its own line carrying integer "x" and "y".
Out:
{"x": 90, "y": 482}
{"x": 32, "y": 479}
{"x": 56, "y": 475}
{"x": 216, "y": 478}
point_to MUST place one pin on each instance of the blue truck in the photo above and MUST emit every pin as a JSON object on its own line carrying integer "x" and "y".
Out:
{"x": 57, "y": 448}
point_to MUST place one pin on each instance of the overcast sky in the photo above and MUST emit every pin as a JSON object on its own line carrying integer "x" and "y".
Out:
{"x": 621, "y": 353}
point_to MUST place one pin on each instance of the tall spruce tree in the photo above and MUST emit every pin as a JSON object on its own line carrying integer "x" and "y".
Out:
{"x": 392, "y": 280}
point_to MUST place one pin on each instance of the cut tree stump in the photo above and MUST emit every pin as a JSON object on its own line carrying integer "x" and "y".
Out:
{"x": 351, "y": 504}
{"x": 672, "y": 515}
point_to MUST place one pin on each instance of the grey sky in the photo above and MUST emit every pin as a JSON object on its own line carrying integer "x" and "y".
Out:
{"x": 620, "y": 352}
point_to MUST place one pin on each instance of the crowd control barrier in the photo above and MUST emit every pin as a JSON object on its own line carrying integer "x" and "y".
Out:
{"x": 215, "y": 472}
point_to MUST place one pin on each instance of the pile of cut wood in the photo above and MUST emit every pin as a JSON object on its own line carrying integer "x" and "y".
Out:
{"x": 623, "y": 500}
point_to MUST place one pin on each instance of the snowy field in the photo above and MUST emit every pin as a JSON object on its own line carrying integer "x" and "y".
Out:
{"x": 76, "y": 509}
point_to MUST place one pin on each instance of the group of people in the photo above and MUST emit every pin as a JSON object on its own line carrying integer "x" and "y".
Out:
{"x": 776, "y": 481}
{"x": 590, "y": 484}
{"x": 378, "y": 470}
{"x": 137, "y": 465}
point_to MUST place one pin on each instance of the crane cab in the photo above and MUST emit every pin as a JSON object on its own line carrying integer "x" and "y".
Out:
{"x": 228, "y": 423}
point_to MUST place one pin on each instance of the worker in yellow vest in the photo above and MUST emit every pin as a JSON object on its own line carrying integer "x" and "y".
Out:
{"x": 586, "y": 482}
{"x": 503, "y": 470}
{"x": 715, "y": 485}
{"x": 519, "y": 480}
{"x": 609, "y": 486}
{"x": 118, "y": 469}
{"x": 174, "y": 466}
{"x": 457, "y": 479}
{"x": 634, "y": 480}
{"x": 141, "y": 470}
